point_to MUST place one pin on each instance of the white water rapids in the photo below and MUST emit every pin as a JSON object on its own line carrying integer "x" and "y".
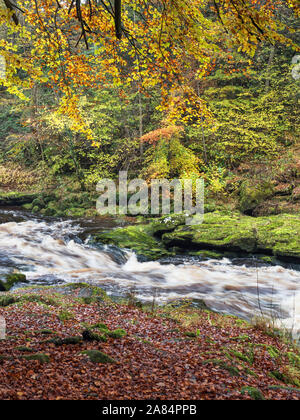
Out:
{"x": 45, "y": 253}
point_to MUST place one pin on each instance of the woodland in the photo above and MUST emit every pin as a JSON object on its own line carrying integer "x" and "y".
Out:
{"x": 162, "y": 89}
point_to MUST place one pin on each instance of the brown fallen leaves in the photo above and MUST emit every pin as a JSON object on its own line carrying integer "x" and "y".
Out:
{"x": 215, "y": 357}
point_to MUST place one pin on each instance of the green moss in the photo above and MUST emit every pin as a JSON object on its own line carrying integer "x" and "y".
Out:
{"x": 118, "y": 333}
{"x": 288, "y": 375}
{"x": 42, "y": 299}
{"x": 16, "y": 198}
{"x": 221, "y": 233}
{"x": 27, "y": 207}
{"x": 7, "y": 300}
{"x": 241, "y": 338}
{"x": 246, "y": 356}
{"x": 100, "y": 326}
{"x": 12, "y": 279}
{"x": 277, "y": 375}
{"x": 294, "y": 359}
{"x": 89, "y": 335}
{"x": 273, "y": 352}
{"x": 46, "y": 331}
{"x": 253, "y": 193}
{"x": 41, "y": 357}
{"x": 221, "y": 364}
{"x": 24, "y": 349}
{"x": 138, "y": 238}
{"x": 278, "y": 235}
{"x": 190, "y": 334}
{"x": 96, "y": 356}
{"x": 65, "y": 315}
{"x": 254, "y": 393}
{"x": 67, "y": 340}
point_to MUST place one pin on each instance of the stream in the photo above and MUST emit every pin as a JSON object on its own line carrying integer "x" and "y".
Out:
{"x": 51, "y": 251}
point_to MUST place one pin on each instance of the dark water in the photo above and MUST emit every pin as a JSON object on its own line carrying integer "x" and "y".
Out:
{"x": 51, "y": 251}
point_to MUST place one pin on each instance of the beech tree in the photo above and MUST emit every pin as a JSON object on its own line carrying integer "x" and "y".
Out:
{"x": 73, "y": 45}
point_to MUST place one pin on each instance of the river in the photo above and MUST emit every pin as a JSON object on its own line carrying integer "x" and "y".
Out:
{"x": 52, "y": 251}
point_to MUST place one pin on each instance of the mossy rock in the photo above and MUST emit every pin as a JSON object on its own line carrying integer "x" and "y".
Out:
{"x": 67, "y": 341}
{"x": 222, "y": 232}
{"x": 16, "y": 198}
{"x": 118, "y": 333}
{"x": 97, "y": 356}
{"x": 25, "y": 349}
{"x": 233, "y": 371}
{"x": 12, "y": 279}
{"x": 41, "y": 357}
{"x": 89, "y": 335}
{"x": 167, "y": 223}
{"x": 7, "y": 300}
{"x": 27, "y": 207}
{"x": 254, "y": 393}
{"x": 49, "y": 211}
{"x": 253, "y": 193}
{"x": 219, "y": 230}
{"x": 100, "y": 326}
{"x": 276, "y": 235}
{"x": 138, "y": 238}
{"x": 46, "y": 331}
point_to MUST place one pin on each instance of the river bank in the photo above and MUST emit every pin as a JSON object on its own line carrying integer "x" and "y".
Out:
{"x": 222, "y": 233}
{"x": 74, "y": 342}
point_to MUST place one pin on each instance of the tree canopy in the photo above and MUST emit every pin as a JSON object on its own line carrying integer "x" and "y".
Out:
{"x": 77, "y": 45}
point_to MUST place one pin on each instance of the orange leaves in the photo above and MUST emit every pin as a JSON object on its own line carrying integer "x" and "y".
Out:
{"x": 165, "y": 133}
{"x": 156, "y": 359}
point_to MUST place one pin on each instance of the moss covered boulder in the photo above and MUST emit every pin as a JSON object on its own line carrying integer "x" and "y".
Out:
{"x": 97, "y": 356}
{"x": 219, "y": 230}
{"x": 221, "y": 233}
{"x": 252, "y": 194}
{"x": 16, "y": 198}
{"x": 275, "y": 235}
{"x": 139, "y": 238}
{"x": 11, "y": 280}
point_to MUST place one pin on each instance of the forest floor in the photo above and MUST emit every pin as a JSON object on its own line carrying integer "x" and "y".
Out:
{"x": 74, "y": 342}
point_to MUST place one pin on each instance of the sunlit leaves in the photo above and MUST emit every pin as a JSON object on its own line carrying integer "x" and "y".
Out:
{"x": 163, "y": 43}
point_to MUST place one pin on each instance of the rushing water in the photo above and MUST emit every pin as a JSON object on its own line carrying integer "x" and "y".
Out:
{"x": 51, "y": 251}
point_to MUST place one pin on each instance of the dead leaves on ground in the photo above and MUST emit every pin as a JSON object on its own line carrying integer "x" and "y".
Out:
{"x": 156, "y": 359}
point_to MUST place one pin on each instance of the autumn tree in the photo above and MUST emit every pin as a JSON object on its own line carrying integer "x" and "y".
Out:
{"x": 76, "y": 45}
